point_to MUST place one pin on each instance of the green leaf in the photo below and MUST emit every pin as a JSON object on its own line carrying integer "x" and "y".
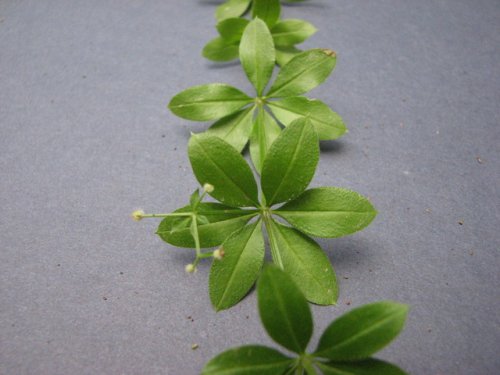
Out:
{"x": 218, "y": 163}
{"x": 284, "y": 310}
{"x": 290, "y": 163}
{"x": 292, "y": 31}
{"x": 231, "y": 8}
{"x": 327, "y": 123}
{"x": 285, "y": 54}
{"x": 220, "y": 50}
{"x": 232, "y": 276}
{"x": 179, "y": 224}
{"x": 208, "y": 102}
{"x": 264, "y": 133}
{"x": 235, "y": 129}
{"x": 366, "y": 367}
{"x": 362, "y": 332}
{"x": 194, "y": 200}
{"x": 304, "y": 261}
{"x": 202, "y": 220}
{"x": 223, "y": 221}
{"x": 267, "y": 10}
{"x": 257, "y": 54}
{"x": 303, "y": 73}
{"x": 328, "y": 212}
{"x": 248, "y": 360}
{"x": 231, "y": 29}
{"x": 309, "y": 367}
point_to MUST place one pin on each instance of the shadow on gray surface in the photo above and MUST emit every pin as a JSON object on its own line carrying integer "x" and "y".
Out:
{"x": 331, "y": 146}
{"x": 348, "y": 251}
{"x": 221, "y": 65}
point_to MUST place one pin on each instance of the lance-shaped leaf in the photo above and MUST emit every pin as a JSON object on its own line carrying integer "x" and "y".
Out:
{"x": 218, "y": 163}
{"x": 248, "y": 360}
{"x": 208, "y": 102}
{"x": 328, "y": 212}
{"x": 303, "y": 73}
{"x": 292, "y": 31}
{"x": 285, "y": 54}
{"x": 327, "y": 123}
{"x": 235, "y": 129}
{"x": 222, "y": 221}
{"x": 366, "y": 367}
{"x": 267, "y": 10}
{"x": 219, "y": 49}
{"x": 232, "y": 29}
{"x": 264, "y": 133}
{"x": 283, "y": 309}
{"x": 305, "y": 262}
{"x": 362, "y": 332}
{"x": 290, "y": 163}
{"x": 257, "y": 54}
{"x": 231, "y": 8}
{"x": 232, "y": 277}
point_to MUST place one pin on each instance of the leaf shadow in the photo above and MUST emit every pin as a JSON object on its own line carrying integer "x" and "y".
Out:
{"x": 351, "y": 252}
{"x": 222, "y": 65}
{"x": 185, "y": 131}
{"x": 210, "y": 2}
{"x": 311, "y": 4}
{"x": 331, "y": 146}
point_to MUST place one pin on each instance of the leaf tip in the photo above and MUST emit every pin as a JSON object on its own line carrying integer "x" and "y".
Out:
{"x": 330, "y": 52}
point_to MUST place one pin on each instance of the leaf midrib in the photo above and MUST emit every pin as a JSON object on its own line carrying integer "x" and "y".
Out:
{"x": 321, "y": 212}
{"x": 273, "y": 93}
{"x": 300, "y": 114}
{"x": 237, "y": 263}
{"x": 365, "y": 332}
{"x": 225, "y": 174}
{"x": 289, "y": 167}
{"x": 297, "y": 256}
{"x": 300, "y": 28}
{"x": 287, "y": 320}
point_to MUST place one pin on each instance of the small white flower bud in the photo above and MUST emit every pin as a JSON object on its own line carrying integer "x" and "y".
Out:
{"x": 138, "y": 215}
{"x": 190, "y": 268}
{"x": 208, "y": 187}
{"x": 218, "y": 254}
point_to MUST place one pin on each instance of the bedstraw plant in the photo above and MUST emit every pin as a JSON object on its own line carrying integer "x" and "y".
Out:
{"x": 231, "y": 229}
{"x": 237, "y": 8}
{"x": 285, "y": 33}
{"x": 345, "y": 347}
{"x": 242, "y": 118}
{"x": 237, "y": 221}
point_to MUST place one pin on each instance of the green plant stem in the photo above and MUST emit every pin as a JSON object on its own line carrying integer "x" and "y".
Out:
{"x": 308, "y": 366}
{"x": 182, "y": 214}
{"x": 196, "y": 237}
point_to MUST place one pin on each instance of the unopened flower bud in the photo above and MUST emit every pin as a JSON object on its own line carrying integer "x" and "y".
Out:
{"x": 190, "y": 268}
{"x": 218, "y": 254}
{"x": 208, "y": 188}
{"x": 138, "y": 215}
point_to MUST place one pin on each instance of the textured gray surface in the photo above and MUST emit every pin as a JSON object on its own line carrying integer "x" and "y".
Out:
{"x": 86, "y": 138}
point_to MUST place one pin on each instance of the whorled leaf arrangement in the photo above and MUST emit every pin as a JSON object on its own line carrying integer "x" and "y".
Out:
{"x": 286, "y": 34}
{"x": 345, "y": 347}
{"x": 287, "y": 171}
{"x": 237, "y": 8}
{"x": 281, "y": 205}
{"x": 242, "y": 118}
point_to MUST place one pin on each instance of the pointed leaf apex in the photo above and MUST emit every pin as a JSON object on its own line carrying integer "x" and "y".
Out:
{"x": 330, "y": 52}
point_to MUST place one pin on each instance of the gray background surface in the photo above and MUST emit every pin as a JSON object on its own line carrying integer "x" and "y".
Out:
{"x": 85, "y": 138}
